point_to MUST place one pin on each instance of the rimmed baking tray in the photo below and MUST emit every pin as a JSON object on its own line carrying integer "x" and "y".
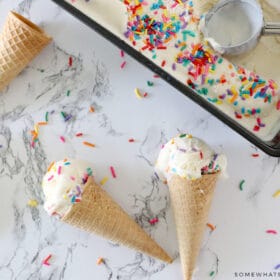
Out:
{"x": 270, "y": 147}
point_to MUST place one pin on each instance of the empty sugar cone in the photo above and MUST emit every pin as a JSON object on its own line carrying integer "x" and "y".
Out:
{"x": 191, "y": 201}
{"x": 99, "y": 214}
{"x": 20, "y": 41}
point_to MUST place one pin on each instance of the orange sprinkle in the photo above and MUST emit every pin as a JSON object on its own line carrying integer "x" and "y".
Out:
{"x": 50, "y": 166}
{"x": 42, "y": 123}
{"x": 211, "y": 226}
{"x": 99, "y": 261}
{"x": 91, "y": 109}
{"x": 88, "y": 144}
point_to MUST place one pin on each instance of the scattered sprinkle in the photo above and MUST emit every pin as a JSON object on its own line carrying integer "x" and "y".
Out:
{"x": 68, "y": 93}
{"x": 122, "y": 53}
{"x": 123, "y": 64}
{"x": 46, "y": 260}
{"x": 241, "y": 185}
{"x": 212, "y": 227}
{"x": 50, "y": 166}
{"x": 59, "y": 170}
{"x": 112, "y": 169}
{"x": 276, "y": 194}
{"x": 50, "y": 178}
{"x": 62, "y": 139}
{"x": 150, "y": 84}
{"x": 277, "y": 266}
{"x": 153, "y": 221}
{"x": 42, "y": 123}
{"x": 88, "y": 144}
{"x": 137, "y": 93}
{"x": 79, "y": 134}
{"x": 255, "y": 155}
{"x": 211, "y": 273}
{"x": 271, "y": 231}
{"x": 131, "y": 140}
{"x": 47, "y": 116}
{"x": 99, "y": 261}
{"x": 145, "y": 94}
{"x": 91, "y": 109}
{"x": 104, "y": 180}
{"x": 32, "y": 203}
{"x": 70, "y": 61}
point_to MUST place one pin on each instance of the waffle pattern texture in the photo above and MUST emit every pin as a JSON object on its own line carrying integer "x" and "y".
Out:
{"x": 191, "y": 201}
{"x": 97, "y": 213}
{"x": 20, "y": 42}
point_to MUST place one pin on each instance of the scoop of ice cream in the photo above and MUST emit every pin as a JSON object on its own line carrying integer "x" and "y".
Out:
{"x": 188, "y": 157}
{"x": 63, "y": 185}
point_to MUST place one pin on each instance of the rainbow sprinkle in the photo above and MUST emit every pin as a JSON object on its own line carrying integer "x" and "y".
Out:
{"x": 103, "y": 181}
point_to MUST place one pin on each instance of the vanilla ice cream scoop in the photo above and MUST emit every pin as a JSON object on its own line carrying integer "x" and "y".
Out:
{"x": 189, "y": 157}
{"x": 63, "y": 185}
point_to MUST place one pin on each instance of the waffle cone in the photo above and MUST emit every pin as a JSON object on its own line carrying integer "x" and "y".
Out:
{"x": 97, "y": 213}
{"x": 191, "y": 200}
{"x": 20, "y": 42}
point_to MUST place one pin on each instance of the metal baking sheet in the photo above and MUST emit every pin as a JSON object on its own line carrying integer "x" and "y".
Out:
{"x": 270, "y": 147}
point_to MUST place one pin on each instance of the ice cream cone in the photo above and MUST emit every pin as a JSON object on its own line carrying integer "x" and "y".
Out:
{"x": 20, "y": 42}
{"x": 191, "y": 200}
{"x": 99, "y": 214}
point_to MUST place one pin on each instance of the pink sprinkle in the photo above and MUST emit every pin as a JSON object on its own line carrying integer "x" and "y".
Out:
{"x": 79, "y": 134}
{"x": 271, "y": 231}
{"x": 113, "y": 172}
{"x": 59, "y": 170}
{"x": 156, "y": 76}
{"x": 122, "y": 53}
{"x": 72, "y": 178}
{"x": 50, "y": 178}
{"x": 145, "y": 94}
{"x": 131, "y": 140}
{"x": 46, "y": 260}
{"x": 123, "y": 64}
{"x": 33, "y": 144}
{"x": 62, "y": 139}
{"x": 153, "y": 221}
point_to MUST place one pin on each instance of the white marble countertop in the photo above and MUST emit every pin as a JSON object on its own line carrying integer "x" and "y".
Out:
{"x": 239, "y": 244}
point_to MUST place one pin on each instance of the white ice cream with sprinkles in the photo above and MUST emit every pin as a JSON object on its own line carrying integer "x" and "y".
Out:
{"x": 63, "y": 185}
{"x": 189, "y": 157}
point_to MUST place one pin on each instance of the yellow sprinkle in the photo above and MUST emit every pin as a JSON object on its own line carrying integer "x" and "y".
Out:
{"x": 32, "y": 203}
{"x": 276, "y": 194}
{"x": 36, "y": 129}
{"x": 189, "y": 136}
{"x": 137, "y": 93}
{"x": 104, "y": 180}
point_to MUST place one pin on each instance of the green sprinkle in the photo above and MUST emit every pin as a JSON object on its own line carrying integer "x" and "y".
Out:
{"x": 154, "y": 56}
{"x": 183, "y": 135}
{"x": 89, "y": 171}
{"x": 220, "y": 60}
{"x": 47, "y": 116}
{"x": 42, "y": 70}
{"x": 212, "y": 273}
{"x": 241, "y": 185}
{"x": 68, "y": 92}
{"x": 211, "y": 82}
{"x": 63, "y": 114}
{"x": 183, "y": 48}
{"x": 150, "y": 84}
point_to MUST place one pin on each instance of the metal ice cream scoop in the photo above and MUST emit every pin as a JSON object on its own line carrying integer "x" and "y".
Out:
{"x": 235, "y": 26}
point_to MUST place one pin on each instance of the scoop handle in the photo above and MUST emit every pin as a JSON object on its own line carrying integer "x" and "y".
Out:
{"x": 271, "y": 28}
